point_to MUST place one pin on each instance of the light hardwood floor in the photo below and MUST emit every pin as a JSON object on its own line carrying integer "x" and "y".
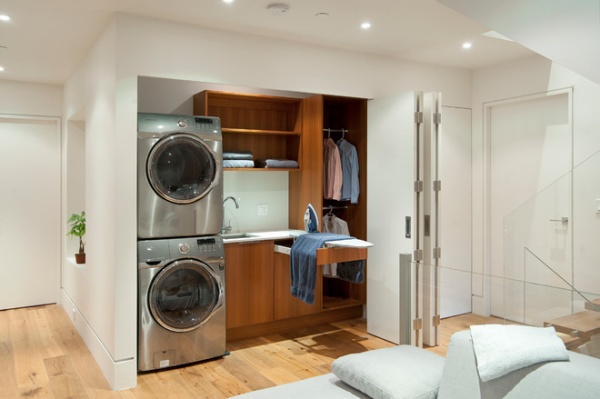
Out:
{"x": 43, "y": 356}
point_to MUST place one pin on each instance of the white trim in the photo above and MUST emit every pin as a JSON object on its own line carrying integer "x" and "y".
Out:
{"x": 121, "y": 373}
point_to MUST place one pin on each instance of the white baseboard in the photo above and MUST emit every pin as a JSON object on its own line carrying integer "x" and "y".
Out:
{"x": 120, "y": 374}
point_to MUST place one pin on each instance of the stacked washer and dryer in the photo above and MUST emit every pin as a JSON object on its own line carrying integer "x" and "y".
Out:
{"x": 181, "y": 262}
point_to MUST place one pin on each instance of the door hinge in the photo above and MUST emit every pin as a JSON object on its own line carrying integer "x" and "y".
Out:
{"x": 435, "y": 321}
{"x": 437, "y": 253}
{"x": 437, "y": 185}
{"x": 418, "y": 186}
{"x": 437, "y": 118}
{"x": 418, "y": 255}
{"x": 417, "y": 324}
{"x": 418, "y": 117}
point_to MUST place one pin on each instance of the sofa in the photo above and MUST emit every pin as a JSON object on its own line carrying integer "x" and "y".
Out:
{"x": 534, "y": 365}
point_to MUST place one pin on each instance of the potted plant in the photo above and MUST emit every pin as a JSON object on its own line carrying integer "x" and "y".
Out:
{"x": 77, "y": 224}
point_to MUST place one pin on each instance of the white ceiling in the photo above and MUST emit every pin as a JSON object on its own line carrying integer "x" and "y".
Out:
{"x": 46, "y": 39}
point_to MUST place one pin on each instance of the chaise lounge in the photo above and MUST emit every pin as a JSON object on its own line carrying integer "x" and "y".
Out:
{"x": 493, "y": 361}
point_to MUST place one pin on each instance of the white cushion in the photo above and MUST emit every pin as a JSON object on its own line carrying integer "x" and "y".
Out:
{"x": 500, "y": 349}
{"x": 401, "y": 372}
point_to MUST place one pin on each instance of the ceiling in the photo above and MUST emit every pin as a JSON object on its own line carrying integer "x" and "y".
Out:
{"x": 46, "y": 39}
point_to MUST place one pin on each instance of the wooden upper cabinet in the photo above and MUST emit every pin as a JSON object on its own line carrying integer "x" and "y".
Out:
{"x": 268, "y": 126}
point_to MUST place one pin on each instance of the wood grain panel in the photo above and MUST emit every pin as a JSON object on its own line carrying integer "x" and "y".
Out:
{"x": 249, "y": 283}
{"x": 307, "y": 187}
{"x": 285, "y": 304}
{"x": 335, "y": 255}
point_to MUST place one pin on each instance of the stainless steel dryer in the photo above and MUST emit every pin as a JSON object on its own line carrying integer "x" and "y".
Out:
{"x": 181, "y": 303}
{"x": 180, "y": 174}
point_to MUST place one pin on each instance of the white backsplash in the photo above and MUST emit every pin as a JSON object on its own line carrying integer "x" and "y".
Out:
{"x": 253, "y": 190}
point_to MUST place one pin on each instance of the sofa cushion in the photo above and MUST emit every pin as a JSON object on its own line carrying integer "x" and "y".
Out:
{"x": 500, "y": 349}
{"x": 401, "y": 372}
{"x": 574, "y": 379}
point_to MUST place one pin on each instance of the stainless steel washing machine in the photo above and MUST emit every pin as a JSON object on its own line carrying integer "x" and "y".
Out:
{"x": 180, "y": 176}
{"x": 181, "y": 301}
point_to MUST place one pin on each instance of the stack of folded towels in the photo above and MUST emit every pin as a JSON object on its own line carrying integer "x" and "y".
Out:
{"x": 243, "y": 159}
{"x": 277, "y": 163}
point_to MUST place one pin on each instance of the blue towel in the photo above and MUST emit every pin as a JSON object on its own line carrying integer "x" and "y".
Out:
{"x": 303, "y": 263}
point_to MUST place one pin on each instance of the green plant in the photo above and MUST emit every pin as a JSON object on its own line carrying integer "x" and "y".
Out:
{"x": 77, "y": 224}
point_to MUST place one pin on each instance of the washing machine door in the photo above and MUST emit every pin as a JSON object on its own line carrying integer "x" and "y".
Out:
{"x": 181, "y": 168}
{"x": 184, "y": 295}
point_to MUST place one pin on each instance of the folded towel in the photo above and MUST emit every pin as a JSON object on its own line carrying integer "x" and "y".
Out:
{"x": 238, "y": 155}
{"x": 240, "y": 163}
{"x": 500, "y": 349}
{"x": 303, "y": 263}
{"x": 276, "y": 163}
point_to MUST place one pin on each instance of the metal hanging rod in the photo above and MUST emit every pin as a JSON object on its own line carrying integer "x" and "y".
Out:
{"x": 331, "y": 207}
{"x": 328, "y": 130}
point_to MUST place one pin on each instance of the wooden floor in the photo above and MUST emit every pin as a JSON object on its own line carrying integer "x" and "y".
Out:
{"x": 43, "y": 356}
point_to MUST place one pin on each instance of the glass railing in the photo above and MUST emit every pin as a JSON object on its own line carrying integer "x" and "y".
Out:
{"x": 546, "y": 272}
{"x": 436, "y": 290}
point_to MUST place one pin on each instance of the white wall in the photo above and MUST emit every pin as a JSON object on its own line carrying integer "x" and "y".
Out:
{"x": 20, "y": 98}
{"x": 105, "y": 86}
{"x": 522, "y": 78}
{"x": 90, "y": 292}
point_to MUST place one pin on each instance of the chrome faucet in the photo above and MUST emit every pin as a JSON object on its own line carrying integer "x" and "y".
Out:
{"x": 237, "y": 206}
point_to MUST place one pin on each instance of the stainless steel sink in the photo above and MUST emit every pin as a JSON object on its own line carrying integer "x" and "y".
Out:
{"x": 236, "y": 235}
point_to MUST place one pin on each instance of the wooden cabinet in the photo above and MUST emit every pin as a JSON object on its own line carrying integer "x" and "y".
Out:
{"x": 249, "y": 283}
{"x": 286, "y": 305}
{"x": 268, "y": 126}
{"x": 336, "y": 113}
{"x": 258, "y": 293}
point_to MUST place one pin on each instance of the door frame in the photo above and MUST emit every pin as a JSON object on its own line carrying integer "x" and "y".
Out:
{"x": 481, "y": 279}
{"x": 61, "y": 211}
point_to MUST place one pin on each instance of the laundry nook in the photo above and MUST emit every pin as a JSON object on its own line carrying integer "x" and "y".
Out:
{"x": 300, "y": 199}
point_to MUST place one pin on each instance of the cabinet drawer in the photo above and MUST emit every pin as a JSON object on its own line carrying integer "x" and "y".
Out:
{"x": 326, "y": 256}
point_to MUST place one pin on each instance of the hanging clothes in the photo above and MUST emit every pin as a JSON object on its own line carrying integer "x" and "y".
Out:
{"x": 332, "y": 170}
{"x": 349, "y": 161}
{"x": 335, "y": 225}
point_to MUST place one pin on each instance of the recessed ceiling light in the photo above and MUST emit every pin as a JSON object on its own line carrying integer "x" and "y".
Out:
{"x": 4, "y": 18}
{"x": 227, "y": 1}
{"x": 322, "y": 15}
{"x": 365, "y": 25}
{"x": 467, "y": 45}
{"x": 278, "y": 8}
{"x": 1, "y": 68}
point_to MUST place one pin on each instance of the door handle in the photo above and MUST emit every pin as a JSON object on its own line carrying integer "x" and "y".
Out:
{"x": 563, "y": 219}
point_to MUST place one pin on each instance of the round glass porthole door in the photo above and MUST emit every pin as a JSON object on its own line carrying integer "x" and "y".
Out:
{"x": 184, "y": 295}
{"x": 181, "y": 169}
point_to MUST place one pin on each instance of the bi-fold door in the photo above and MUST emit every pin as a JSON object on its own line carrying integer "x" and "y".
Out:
{"x": 404, "y": 186}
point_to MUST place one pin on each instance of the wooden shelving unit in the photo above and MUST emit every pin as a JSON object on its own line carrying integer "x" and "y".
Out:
{"x": 269, "y": 127}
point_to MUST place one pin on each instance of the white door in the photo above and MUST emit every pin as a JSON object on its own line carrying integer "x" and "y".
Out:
{"x": 530, "y": 194}
{"x": 390, "y": 177}
{"x": 29, "y": 211}
{"x": 455, "y": 273}
{"x": 392, "y": 150}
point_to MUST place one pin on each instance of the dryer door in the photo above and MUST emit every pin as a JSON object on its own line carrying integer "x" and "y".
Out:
{"x": 184, "y": 295}
{"x": 181, "y": 168}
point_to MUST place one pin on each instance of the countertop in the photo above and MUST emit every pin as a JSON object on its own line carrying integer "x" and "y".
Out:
{"x": 261, "y": 236}
{"x": 283, "y": 234}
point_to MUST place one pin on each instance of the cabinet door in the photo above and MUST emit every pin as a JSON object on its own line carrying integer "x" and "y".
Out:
{"x": 249, "y": 283}
{"x": 285, "y": 304}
